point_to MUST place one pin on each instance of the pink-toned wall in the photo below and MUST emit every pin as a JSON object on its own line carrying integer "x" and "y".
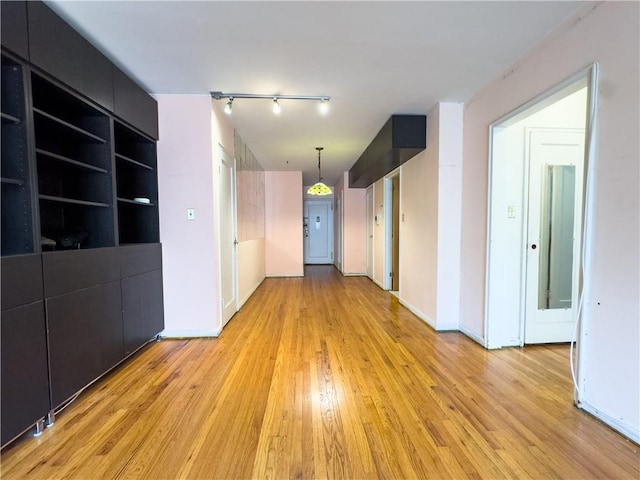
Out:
{"x": 354, "y": 227}
{"x": 185, "y": 180}
{"x": 419, "y": 230}
{"x": 607, "y": 33}
{"x": 283, "y": 224}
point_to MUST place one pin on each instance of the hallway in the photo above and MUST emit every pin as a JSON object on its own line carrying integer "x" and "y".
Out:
{"x": 328, "y": 377}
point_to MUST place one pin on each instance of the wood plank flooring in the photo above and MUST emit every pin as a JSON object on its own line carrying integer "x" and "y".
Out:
{"x": 327, "y": 377}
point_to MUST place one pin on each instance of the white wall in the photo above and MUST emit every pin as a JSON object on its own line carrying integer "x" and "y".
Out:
{"x": 185, "y": 180}
{"x": 610, "y": 358}
{"x": 283, "y": 225}
{"x": 449, "y": 214}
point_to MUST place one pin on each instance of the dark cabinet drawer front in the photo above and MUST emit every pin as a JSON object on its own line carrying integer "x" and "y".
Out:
{"x": 72, "y": 270}
{"x": 137, "y": 259}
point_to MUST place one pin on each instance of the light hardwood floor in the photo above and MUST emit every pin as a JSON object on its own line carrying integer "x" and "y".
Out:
{"x": 328, "y": 377}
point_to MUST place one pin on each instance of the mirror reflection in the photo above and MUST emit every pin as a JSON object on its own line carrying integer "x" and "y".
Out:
{"x": 556, "y": 237}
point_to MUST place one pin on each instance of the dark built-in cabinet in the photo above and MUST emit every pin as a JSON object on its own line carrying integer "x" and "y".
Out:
{"x": 81, "y": 259}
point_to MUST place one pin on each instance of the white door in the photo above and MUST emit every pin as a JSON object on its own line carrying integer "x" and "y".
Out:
{"x": 228, "y": 243}
{"x": 369, "y": 201}
{"x": 556, "y": 160}
{"x": 318, "y": 240}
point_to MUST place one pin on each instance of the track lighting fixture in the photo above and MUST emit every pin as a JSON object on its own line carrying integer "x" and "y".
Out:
{"x": 229, "y": 106}
{"x": 323, "y": 107}
{"x": 319, "y": 188}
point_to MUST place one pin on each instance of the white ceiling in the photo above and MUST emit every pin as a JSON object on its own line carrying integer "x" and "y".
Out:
{"x": 374, "y": 59}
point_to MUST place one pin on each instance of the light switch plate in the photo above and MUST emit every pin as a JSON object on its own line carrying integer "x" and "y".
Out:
{"x": 191, "y": 213}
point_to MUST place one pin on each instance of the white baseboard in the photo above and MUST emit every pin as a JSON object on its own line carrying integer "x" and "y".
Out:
{"x": 286, "y": 275}
{"x": 632, "y": 432}
{"x": 473, "y": 336}
{"x": 189, "y": 333}
{"x": 418, "y": 313}
{"x": 353, "y": 274}
{"x": 450, "y": 327}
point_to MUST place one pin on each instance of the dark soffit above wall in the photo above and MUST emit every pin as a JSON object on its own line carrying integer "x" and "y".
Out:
{"x": 401, "y": 138}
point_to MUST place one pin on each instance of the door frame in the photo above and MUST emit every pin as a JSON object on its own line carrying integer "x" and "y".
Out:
{"x": 369, "y": 231}
{"x": 224, "y": 157}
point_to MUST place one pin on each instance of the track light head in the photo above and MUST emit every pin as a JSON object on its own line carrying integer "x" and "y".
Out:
{"x": 323, "y": 108}
{"x": 229, "y": 106}
{"x": 276, "y": 106}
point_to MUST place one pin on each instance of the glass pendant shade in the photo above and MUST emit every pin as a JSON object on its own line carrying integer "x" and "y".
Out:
{"x": 319, "y": 188}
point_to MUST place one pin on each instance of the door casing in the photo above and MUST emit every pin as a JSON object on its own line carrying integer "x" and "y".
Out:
{"x": 228, "y": 236}
{"x": 504, "y": 325}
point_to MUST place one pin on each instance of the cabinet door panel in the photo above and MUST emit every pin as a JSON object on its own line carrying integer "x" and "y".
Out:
{"x": 63, "y": 53}
{"x": 14, "y": 27}
{"x": 21, "y": 280}
{"x": 143, "y": 314}
{"x": 25, "y": 383}
{"x": 134, "y": 105}
{"x": 85, "y": 337}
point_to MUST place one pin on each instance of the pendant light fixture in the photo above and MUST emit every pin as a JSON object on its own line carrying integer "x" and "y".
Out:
{"x": 319, "y": 188}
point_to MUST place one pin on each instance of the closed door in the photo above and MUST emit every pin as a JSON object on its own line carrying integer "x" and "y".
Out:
{"x": 556, "y": 160}
{"x": 318, "y": 239}
{"x": 228, "y": 241}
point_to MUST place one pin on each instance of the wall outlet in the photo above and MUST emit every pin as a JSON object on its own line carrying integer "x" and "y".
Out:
{"x": 191, "y": 213}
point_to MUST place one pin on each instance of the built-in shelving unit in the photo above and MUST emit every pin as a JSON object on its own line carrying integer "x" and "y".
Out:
{"x": 73, "y": 167}
{"x": 17, "y": 214}
{"x": 137, "y": 187}
{"x": 81, "y": 261}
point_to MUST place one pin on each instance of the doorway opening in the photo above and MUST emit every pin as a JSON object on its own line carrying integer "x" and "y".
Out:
{"x": 392, "y": 232}
{"x": 538, "y": 177}
{"x": 318, "y": 231}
